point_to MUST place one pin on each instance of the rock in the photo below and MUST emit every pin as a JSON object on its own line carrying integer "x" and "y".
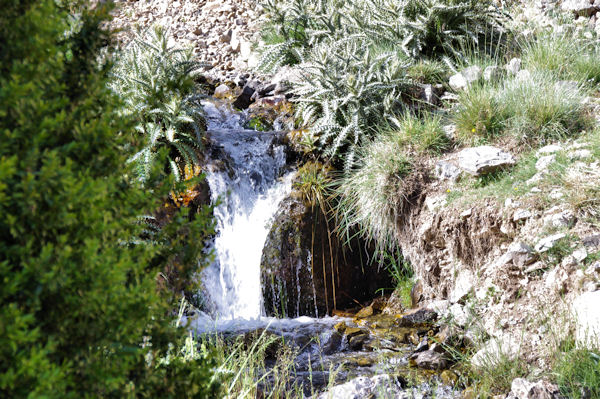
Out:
{"x": 463, "y": 286}
{"x": 449, "y": 377}
{"x": 484, "y": 159}
{"x": 578, "y": 7}
{"x": 226, "y": 37}
{"x": 491, "y": 73}
{"x": 244, "y": 100}
{"x": 447, "y": 171}
{"x": 458, "y": 82}
{"x": 495, "y": 351}
{"x": 434, "y": 203}
{"x": 564, "y": 218}
{"x": 514, "y": 66}
{"x": 549, "y": 149}
{"x": 545, "y": 161}
{"x": 365, "y": 312}
{"x": 245, "y": 49}
{"x": 429, "y": 360}
{"x": 580, "y": 154}
{"x": 556, "y": 279}
{"x": 592, "y": 241}
{"x": 365, "y": 387}
{"x": 439, "y": 306}
{"x": 458, "y": 314}
{"x": 417, "y": 318}
{"x": 547, "y": 243}
{"x": 356, "y": 342}
{"x": 222, "y": 91}
{"x": 523, "y": 389}
{"x": 296, "y": 270}
{"x": 521, "y": 214}
{"x": 586, "y": 309}
{"x": 520, "y": 254}
{"x": 523, "y": 75}
{"x": 463, "y": 79}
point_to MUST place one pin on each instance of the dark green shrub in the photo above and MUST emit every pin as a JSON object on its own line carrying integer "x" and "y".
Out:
{"x": 80, "y": 312}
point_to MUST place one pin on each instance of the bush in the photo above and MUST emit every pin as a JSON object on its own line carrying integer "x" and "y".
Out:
{"x": 423, "y": 135}
{"x": 80, "y": 312}
{"x": 373, "y": 197}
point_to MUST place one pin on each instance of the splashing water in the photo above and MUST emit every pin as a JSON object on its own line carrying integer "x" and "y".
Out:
{"x": 245, "y": 183}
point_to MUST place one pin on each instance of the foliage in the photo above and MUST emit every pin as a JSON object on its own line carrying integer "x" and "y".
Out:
{"x": 80, "y": 312}
{"x": 346, "y": 90}
{"x": 423, "y": 135}
{"x": 156, "y": 82}
{"x": 372, "y": 197}
{"x": 534, "y": 110}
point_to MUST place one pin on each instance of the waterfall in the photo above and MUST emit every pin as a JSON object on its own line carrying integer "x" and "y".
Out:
{"x": 244, "y": 176}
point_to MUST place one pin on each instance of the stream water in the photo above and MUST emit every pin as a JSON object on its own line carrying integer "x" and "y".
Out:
{"x": 248, "y": 177}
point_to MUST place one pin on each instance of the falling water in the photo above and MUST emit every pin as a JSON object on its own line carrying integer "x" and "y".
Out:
{"x": 246, "y": 184}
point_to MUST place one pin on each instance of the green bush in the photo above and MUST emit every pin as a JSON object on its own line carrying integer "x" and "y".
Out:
{"x": 156, "y": 82}
{"x": 577, "y": 372}
{"x": 423, "y": 134}
{"x": 373, "y": 196}
{"x": 80, "y": 312}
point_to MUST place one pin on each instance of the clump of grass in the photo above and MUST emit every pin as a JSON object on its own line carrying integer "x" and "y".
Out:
{"x": 565, "y": 59}
{"x": 315, "y": 183}
{"x": 577, "y": 372}
{"x": 541, "y": 110}
{"x": 424, "y": 134}
{"x": 533, "y": 110}
{"x": 373, "y": 196}
{"x": 401, "y": 273}
{"x": 480, "y": 117}
{"x": 428, "y": 71}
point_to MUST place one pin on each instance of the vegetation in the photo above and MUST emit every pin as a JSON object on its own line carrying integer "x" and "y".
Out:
{"x": 578, "y": 372}
{"x": 81, "y": 314}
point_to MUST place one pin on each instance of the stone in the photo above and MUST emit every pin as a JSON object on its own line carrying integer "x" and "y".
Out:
{"x": 449, "y": 377}
{"x": 556, "y": 279}
{"x": 521, "y": 214}
{"x": 514, "y": 66}
{"x": 472, "y": 73}
{"x": 520, "y": 254}
{"x": 523, "y": 389}
{"x": 492, "y": 73}
{"x": 447, "y": 171}
{"x": 549, "y": 149}
{"x": 245, "y": 49}
{"x": 523, "y": 74}
{"x": 226, "y": 37}
{"x": 484, "y": 159}
{"x": 463, "y": 286}
{"x": 222, "y": 91}
{"x": 495, "y": 351}
{"x": 244, "y": 100}
{"x": 580, "y": 154}
{"x": 547, "y": 243}
{"x": 434, "y": 203}
{"x": 578, "y": 7}
{"x": 417, "y": 318}
{"x": 439, "y": 306}
{"x": 586, "y": 310}
{"x": 356, "y": 342}
{"x": 458, "y": 314}
{"x": 458, "y": 82}
{"x": 592, "y": 241}
{"x": 564, "y": 218}
{"x": 545, "y": 161}
{"x": 365, "y": 312}
{"x": 429, "y": 360}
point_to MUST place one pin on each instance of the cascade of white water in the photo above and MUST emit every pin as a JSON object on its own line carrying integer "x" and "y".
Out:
{"x": 247, "y": 188}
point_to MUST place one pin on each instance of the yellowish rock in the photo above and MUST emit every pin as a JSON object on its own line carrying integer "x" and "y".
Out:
{"x": 449, "y": 377}
{"x": 340, "y": 327}
{"x": 365, "y": 312}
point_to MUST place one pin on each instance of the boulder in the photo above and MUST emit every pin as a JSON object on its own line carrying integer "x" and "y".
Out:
{"x": 429, "y": 360}
{"x": 298, "y": 276}
{"x": 492, "y": 73}
{"x": 586, "y": 309}
{"x": 222, "y": 91}
{"x": 523, "y": 389}
{"x": 463, "y": 79}
{"x": 463, "y": 286}
{"x": 244, "y": 100}
{"x": 447, "y": 171}
{"x": 495, "y": 351}
{"x": 417, "y": 318}
{"x": 365, "y": 387}
{"x": 484, "y": 159}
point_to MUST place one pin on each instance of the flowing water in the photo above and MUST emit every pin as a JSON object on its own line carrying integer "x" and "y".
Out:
{"x": 248, "y": 177}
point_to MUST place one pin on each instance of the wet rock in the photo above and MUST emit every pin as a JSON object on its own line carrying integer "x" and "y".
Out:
{"x": 586, "y": 309}
{"x": 429, "y": 360}
{"x": 365, "y": 312}
{"x": 333, "y": 343}
{"x": 364, "y": 387}
{"x": 297, "y": 273}
{"x": 548, "y": 243}
{"x": 417, "y": 318}
{"x": 356, "y": 342}
{"x": 484, "y": 159}
{"x": 244, "y": 100}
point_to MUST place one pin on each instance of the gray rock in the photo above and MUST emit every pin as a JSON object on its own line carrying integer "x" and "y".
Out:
{"x": 547, "y": 243}
{"x": 523, "y": 389}
{"x": 586, "y": 309}
{"x": 492, "y": 73}
{"x": 447, "y": 171}
{"x": 578, "y": 7}
{"x": 496, "y": 350}
{"x": 592, "y": 241}
{"x": 430, "y": 360}
{"x": 520, "y": 254}
{"x": 561, "y": 219}
{"x": 463, "y": 79}
{"x": 549, "y": 149}
{"x": 580, "y": 154}
{"x": 484, "y": 159}
{"x": 458, "y": 82}
{"x": 222, "y": 91}
{"x": 523, "y": 74}
{"x": 463, "y": 286}
{"x": 580, "y": 254}
{"x": 545, "y": 161}
{"x": 418, "y": 317}
{"x": 514, "y": 66}
{"x": 521, "y": 214}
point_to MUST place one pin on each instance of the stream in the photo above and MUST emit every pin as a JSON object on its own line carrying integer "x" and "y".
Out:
{"x": 249, "y": 175}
